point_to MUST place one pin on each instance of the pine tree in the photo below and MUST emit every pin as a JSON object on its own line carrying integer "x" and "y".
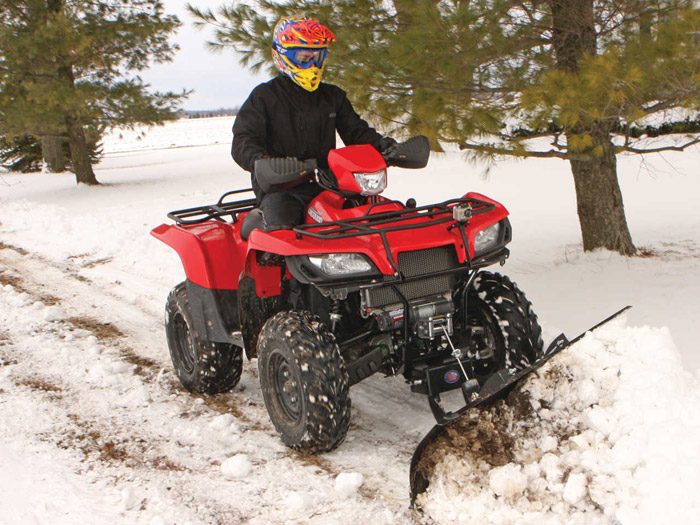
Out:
{"x": 581, "y": 80}
{"x": 26, "y": 154}
{"x": 21, "y": 154}
{"x": 64, "y": 67}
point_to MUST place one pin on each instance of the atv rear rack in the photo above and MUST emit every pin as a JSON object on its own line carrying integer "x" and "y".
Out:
{"x": 216, "y": 211}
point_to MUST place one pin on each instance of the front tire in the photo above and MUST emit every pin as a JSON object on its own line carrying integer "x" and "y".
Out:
{"x": 304, "y": 382}
{"x": 203, "y": 366}
{"x": 511, "y": 336}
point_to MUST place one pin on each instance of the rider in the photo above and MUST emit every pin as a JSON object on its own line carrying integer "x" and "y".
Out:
{"x": 295, "y": 115}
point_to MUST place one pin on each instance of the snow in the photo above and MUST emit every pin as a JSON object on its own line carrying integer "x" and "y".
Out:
{"x": 627, "y": 454}
{"x": 238, "y": 466}
{"x": 347, "y": 483}
{"x": 508, "y": 480}
{"x": 94, "y": 427}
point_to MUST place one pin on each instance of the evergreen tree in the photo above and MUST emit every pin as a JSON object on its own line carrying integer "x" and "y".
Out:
{"x": 64, "y": 67}
{"x": 21, "y": 154}
{"x": 595, "y": 78}
{"x": 25, "y": 153}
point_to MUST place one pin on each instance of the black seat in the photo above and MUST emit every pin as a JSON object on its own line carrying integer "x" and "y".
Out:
{"x": 252, "y": 221}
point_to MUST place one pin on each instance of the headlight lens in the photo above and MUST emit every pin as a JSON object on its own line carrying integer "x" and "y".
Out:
{"x": 371, "y": 183}
{"x": 487, "y": 239}
{"x": 341, "y": 263}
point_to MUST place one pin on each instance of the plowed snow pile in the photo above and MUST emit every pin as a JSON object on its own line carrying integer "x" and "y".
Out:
{"x": 606, "y": 434}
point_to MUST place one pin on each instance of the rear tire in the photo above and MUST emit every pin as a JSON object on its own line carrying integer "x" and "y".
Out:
{"x": 304, "y": 382}
{"x": 512, "y": 330}
{"x": 203, "y": 366}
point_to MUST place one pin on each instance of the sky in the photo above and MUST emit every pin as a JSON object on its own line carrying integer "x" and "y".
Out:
{"x": 217, "y": 79}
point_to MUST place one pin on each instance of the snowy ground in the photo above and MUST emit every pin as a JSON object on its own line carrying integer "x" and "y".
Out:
{"x": 95, "y": 428}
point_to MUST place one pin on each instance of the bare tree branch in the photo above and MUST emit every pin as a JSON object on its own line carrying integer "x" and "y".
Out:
{"x": 661, "y": 148}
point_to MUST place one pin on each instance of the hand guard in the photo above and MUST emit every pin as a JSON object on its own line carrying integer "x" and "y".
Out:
{"x": 277, "y": 173}
{"x": 412, "y": 154}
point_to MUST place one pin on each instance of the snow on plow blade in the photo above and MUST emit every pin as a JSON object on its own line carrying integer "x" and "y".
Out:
{"x": 495, "y": 385}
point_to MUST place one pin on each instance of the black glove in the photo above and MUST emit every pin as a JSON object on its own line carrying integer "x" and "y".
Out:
{"x": 386, "y": 145}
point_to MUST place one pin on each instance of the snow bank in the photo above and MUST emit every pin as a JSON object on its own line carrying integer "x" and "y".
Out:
{"x": 608, "y": 434}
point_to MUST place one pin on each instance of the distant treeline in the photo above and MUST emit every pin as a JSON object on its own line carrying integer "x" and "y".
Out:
{"x": 221, "y": 112}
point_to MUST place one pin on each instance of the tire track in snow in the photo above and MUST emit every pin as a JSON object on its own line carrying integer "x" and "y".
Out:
{"x": 88, "y": 304}
{"x": 89, "y": 435}
{"x": 107, "y": 441}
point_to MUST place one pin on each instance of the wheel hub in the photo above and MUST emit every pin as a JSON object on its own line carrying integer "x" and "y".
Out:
{"x": 184, "y": 343}
{"x": 484, "y": 342}
{"x": 287, "y": 387}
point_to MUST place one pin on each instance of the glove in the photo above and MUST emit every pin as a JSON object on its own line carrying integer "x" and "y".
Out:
{"x": 255, "y": 157}
{"x": 387, "y": 145}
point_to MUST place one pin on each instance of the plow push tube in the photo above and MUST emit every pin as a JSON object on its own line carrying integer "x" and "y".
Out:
{"x": 492, "y": 387}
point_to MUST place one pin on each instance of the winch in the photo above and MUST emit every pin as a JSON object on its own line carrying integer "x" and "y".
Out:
{"x": 429, "y": 317}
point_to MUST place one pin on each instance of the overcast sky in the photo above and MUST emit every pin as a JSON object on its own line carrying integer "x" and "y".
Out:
{"x": 216, "y": 78}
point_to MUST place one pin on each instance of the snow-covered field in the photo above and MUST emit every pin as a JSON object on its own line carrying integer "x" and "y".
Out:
{"x": 94, "y": 427}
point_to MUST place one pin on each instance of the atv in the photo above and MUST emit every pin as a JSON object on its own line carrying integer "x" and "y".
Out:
{"x": 367, "y": 284}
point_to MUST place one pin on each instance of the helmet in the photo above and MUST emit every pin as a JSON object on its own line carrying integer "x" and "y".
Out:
{"x": 299, "y": 47}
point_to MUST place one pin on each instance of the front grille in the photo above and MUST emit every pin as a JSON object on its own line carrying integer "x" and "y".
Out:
{"x": 414, "y": 264}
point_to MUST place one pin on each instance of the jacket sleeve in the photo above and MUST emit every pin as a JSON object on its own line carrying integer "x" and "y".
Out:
{"x": 250, "y": 132}
{"x": 352, "y": 128}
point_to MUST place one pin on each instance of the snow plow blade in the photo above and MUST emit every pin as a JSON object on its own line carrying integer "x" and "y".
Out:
{"x": 491, "y": 389}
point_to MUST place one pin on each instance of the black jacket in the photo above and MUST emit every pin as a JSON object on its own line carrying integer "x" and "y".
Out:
{"x": 281, "y": 119}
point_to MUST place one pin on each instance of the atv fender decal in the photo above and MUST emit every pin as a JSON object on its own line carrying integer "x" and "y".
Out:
{"x": 314, "y": 214}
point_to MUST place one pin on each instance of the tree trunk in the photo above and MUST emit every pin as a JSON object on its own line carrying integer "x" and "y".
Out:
{"x": 573, "y": 32}
{"x": 79, "y": 152}
{"x": 601, "y": 211}
{"x": 52, "y": 153}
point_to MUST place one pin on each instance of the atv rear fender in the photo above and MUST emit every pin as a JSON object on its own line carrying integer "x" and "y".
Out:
{"x": 211, "y": 256}
{"x": 211, "y": 252}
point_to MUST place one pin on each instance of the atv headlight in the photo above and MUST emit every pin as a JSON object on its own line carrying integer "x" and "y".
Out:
{"x": 487, "y": 239}
{"x": 371, "y": 183}
{"x": 341, "y": 263}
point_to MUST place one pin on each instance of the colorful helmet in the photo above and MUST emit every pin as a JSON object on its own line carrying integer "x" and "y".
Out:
{"x": 299, "y": 47}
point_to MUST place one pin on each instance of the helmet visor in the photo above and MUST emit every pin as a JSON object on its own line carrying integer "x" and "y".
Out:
{"x": 304, "y": 57}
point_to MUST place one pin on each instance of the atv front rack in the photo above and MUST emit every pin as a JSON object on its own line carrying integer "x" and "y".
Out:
{"x": 216, "y": 211}
{"x": 396, "y": 220}
{"x": 384, "y": 222}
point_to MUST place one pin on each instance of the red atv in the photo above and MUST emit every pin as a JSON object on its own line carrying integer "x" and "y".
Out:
{"x": 367, "y": 284}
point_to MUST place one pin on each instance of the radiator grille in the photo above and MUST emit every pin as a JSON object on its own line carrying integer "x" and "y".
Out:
{"x": 413, "y": 264}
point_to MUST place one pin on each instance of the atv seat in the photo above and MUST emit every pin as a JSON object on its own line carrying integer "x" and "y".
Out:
{"x": 252, "y": 221}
